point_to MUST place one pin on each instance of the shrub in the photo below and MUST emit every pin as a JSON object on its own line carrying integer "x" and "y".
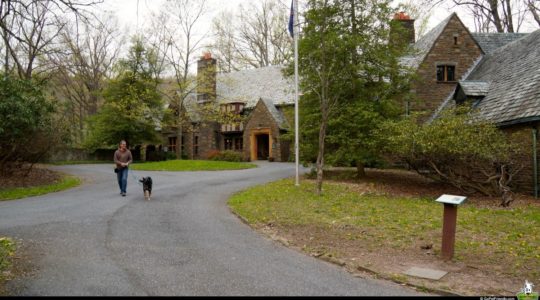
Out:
{"x": 228, "y": 155}
{"x": 212, "y": 154}
{"x": 470, "y": 154}
{"x": 28, "y": 129}
{"x": 171, "y": 155}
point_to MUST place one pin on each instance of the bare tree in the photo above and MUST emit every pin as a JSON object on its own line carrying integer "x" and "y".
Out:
{"x": 89, "y": 50}
{"x": 534, "y": 8}
{"x": 502, "y": 15}
{"x": 259, "y": 38}
{"x": 174, "y": 37}
{"x": 262, "y": 38}
{"x": 223, "y": 46}
{"x": 29, "y": 29}
{"x": 31, "y": 35}
{"x": 78, "y": 7}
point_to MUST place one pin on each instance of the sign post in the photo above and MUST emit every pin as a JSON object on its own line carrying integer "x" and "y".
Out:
{"x": 449, "y": 223}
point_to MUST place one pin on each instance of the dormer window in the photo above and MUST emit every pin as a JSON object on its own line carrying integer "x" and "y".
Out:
{"x": 232, "y": 112}
{"x": 446, "y": 73}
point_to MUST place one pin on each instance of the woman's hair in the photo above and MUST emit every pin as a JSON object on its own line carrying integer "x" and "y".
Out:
{"x": 122, "y": 142}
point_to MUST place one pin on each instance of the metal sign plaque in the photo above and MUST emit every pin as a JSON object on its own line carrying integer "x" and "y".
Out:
{"x": 451, "y": 199}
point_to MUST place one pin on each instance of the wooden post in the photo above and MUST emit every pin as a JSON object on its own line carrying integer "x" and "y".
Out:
{"x": 451, "y": 203}
{"x": 449, "y": 231}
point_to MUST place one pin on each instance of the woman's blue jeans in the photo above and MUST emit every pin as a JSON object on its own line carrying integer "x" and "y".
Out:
{"x": 122, "y": 179}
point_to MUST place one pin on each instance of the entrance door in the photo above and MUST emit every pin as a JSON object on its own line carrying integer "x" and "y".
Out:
{"x": 263, "y": 146}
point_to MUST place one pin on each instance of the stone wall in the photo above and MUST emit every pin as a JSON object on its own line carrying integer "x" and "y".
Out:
{"x": 261, "y": 121}
{"x": 287, "y": 144}
{"x": 461, "y": 52}
{"x": 524, "y": 181}
{"x": 201, "y": 139}
{"x": 208, "y": 139}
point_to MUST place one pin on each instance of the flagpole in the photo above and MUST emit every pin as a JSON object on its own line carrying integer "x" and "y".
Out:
{"x": 296, "y": 139}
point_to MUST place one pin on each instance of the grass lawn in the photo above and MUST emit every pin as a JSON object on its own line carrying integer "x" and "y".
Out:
{"x": 7, "y": 255}
{"x": 7, "y": 249}
{"x": 506, "y": 240}
{"x": 21, "y": 192}
{"x": 191, "y": 165}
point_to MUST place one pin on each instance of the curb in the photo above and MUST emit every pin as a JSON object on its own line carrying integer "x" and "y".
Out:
{"x": 342, "y": 264}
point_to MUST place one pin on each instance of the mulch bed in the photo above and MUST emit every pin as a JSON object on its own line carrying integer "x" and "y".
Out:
{"x": 410, "y": 184}
{"x": 37, "y": 176}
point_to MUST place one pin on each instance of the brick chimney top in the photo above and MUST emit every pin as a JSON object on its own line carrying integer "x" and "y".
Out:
{"x": 408, "y": 35}
{"x": 402, "y": 16}
{"x": 207, "y": 56}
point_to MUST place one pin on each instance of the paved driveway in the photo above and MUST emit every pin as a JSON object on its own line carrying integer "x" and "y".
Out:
{"x": 91, "y": 241}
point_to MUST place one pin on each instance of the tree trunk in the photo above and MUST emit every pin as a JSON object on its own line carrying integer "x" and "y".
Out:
{"x": 495, "y": 15}
{"x": 360, "y": 169}
{"x": 6, "y": 57}
{"x": 509, "y": 17}
{"x": 507, "y": 196}
{"x": 320, "y": 155}
{"x": 534, "y": 11}
{"x": 93, "y": 102}
{"x": 179, "y": 141}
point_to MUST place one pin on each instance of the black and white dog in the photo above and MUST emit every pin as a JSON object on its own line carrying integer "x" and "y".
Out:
{"x": 147, "y": 187}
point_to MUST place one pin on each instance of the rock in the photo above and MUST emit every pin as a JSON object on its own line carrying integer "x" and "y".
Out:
{"x": 427, "y": 246}
{"x": 334, "y": 260}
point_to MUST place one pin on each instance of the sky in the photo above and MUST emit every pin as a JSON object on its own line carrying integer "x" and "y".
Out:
{"x": 134, "y": 13}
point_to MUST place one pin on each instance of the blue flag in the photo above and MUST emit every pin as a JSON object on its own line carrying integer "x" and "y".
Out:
{"x": 291, "y": 19}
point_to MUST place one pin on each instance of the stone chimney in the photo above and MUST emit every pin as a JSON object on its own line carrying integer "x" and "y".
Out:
{"x": 406, "y": 33}
{"x": 206, "y": 78}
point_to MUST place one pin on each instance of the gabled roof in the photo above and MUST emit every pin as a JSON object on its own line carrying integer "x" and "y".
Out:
{"x": 248, "y": 86}
{"x": 489, "y": 42}
{"x": 514, "y": 72}
{"x": 422, "y": 47}
{"x": 277, "y": 115}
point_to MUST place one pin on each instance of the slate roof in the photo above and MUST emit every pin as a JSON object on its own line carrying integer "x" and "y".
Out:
{"x": 514, "y": 73}
{"x": 422, "y": 47}
{"x": 276, "y": 114}
{"x": 248, "y": 86}
{"x": 489, "y": 42}
{"x": 475, "y": 88}
{"x": 507, "y": 76}
{"x": 448, "y": 103}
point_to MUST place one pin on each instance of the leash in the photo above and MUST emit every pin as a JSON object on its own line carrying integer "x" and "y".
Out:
{"x": 134, "y": 177}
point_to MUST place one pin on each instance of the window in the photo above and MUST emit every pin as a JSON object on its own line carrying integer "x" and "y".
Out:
{"x": 446, "y": 73}
{"x": 172, "y": 144}
{"x": 239, "y": 144}
{"x": 234, "y": 143}
{"x": 228, "y": 143}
